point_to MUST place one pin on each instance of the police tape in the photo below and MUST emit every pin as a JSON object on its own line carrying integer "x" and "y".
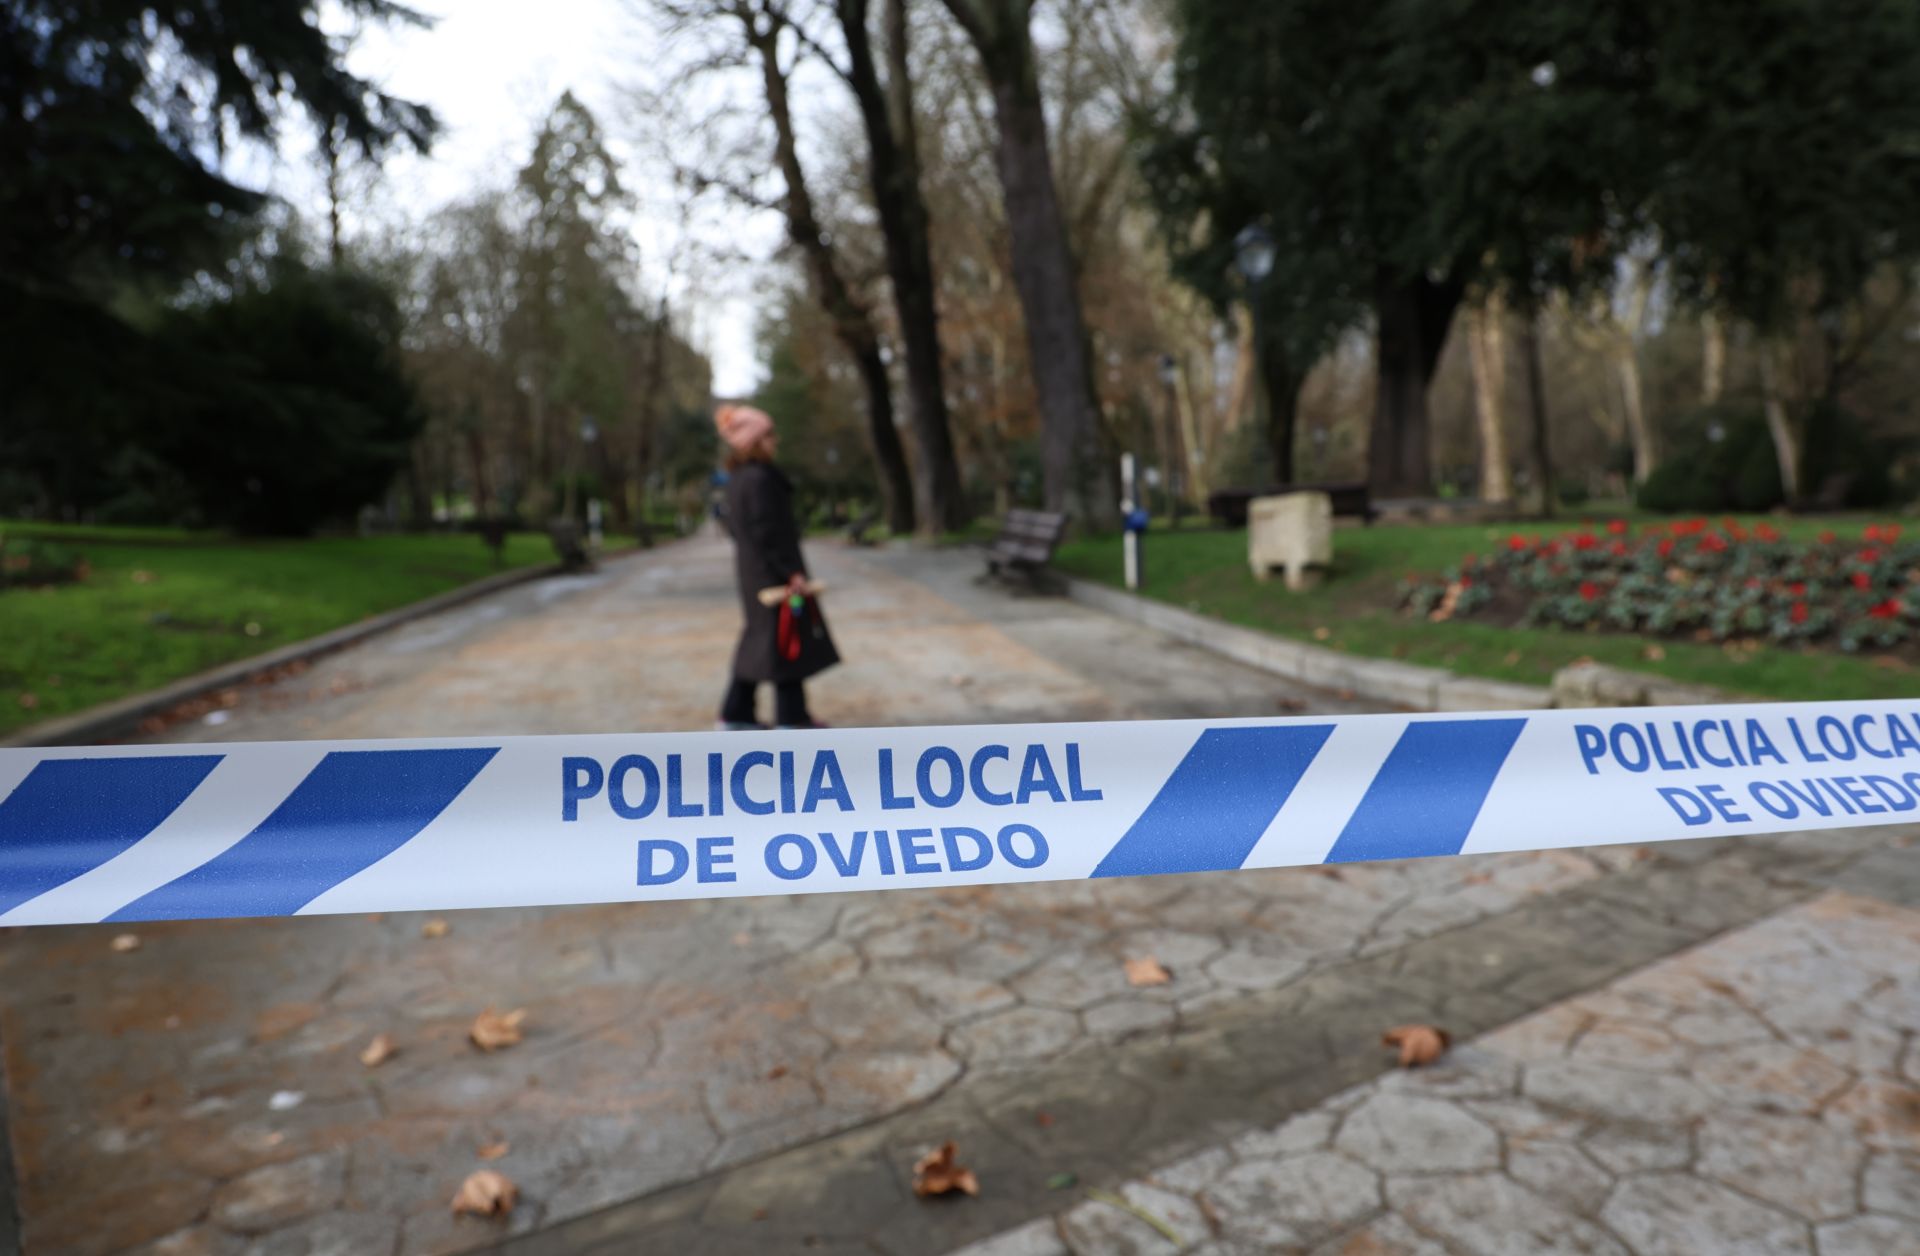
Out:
{"x": 293, "y": 828}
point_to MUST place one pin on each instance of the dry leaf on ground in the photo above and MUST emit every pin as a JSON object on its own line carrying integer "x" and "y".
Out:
{"x": 493, "y": 1030}
{"x": 937, "y": 1173}
{"x": 1419, "y": 1044}
{"x": 125, "y": 942}
{"x": 486, "y": 1193}
{"x": 493, "y": 1151}
{"x": 1145, "y": 970}
{"x": 435, "y": 928}
{"x": 377, "y": 1052}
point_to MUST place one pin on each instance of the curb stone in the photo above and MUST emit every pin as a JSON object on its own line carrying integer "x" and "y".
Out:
{"x": 1405, "y": 685}
{"x": 121, "y": 716}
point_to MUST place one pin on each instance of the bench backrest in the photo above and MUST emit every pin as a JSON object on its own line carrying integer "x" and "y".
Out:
{"x": 1034, "y": 525}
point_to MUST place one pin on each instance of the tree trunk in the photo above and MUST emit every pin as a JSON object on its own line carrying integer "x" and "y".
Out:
{"x": 1283, "y": 403}
{"x": 1194, "y": 468}
{"x": 1072, "y": 458}
{"x": 1413, "y": 316}
{"x": 1646, "y": 453}
{"x": 477, "y": 451}
{"x": 1773, "y": 400}
{"x": 1537, "y": 411}
{"x": 1713, "y": 358}
{"x": 1486, "y": 346}
{"x": 852, "y": 323}
{"x": 893, "y": 169}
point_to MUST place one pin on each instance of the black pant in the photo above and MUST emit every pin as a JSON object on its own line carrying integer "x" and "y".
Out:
{"x": 789, "y": 704}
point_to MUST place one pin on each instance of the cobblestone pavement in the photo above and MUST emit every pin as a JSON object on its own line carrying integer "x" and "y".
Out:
{"x": 205, "y": 1093}
{"x": 758, "y": 1074}
{"x": 1759, "y": 1094}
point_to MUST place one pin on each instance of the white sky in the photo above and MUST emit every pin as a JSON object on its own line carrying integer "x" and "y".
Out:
{"x": 491, "y": 69}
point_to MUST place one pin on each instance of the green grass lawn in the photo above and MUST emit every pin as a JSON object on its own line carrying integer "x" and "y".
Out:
{"x": 1354, "y": 610}
{"x": 159, "y": 604}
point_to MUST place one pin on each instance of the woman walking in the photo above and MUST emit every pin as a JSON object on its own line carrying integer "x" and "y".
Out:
{"x": 787, "y": 642}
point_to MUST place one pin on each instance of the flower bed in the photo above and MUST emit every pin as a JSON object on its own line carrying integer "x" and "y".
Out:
{"x": 1691, "y": 579}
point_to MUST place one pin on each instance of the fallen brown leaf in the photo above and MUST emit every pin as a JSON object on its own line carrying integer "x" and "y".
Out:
{"x": 493, "y": 1030}
{"x": 1419, "y": 1044}
{"x": 1654, "y": 653}
{"x": 435, "y": 928}
{"x": 1043, "y": 1119}
{"x": 1145, "y": 970}
{"x": 493, "y": 1151}
{"x": 777, "y": 1072}
{"x": 937, "y": 1173}
{"x": 486, "y": 1193}
{"x": 377, "y": 1052}
{"x": 124, "y": 942}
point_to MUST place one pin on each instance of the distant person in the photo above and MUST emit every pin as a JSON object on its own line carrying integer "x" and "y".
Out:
{"x": 787, "y": 642}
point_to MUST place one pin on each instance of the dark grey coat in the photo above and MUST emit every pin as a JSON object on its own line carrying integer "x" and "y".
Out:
{"x": 766, "y": 549}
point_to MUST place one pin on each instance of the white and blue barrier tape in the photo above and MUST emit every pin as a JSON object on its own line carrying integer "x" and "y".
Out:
{"x": 286, "y": 828}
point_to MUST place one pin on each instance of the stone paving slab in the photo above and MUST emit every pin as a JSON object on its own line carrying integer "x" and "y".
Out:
{"x": 1759, "y": 1093}
{"x": 1115, "y": 1109}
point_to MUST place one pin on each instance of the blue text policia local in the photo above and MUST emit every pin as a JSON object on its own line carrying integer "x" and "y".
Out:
{"x": 1687, "y": 745}
{"x": 764, "y": 783}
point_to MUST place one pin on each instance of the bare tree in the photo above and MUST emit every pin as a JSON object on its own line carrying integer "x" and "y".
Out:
{"x": 893, "y": 168}
{"x": 1072, "y": 459}
{"x": 763, "y": 39}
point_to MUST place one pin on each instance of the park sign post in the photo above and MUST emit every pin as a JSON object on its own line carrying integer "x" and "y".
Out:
{"x": 128, "y": 833}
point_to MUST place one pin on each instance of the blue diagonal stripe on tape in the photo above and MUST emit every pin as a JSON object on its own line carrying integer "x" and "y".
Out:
{"x": 1428, "y": 793}
{"x": 69, "y": 816}
{"x": 354, "y": 809}
{"x": 1213, "y": 809}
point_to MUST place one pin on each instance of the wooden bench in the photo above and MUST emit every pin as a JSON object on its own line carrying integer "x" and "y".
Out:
{"x": 1350, "y": 501}
{"x": 1026, "y": 542}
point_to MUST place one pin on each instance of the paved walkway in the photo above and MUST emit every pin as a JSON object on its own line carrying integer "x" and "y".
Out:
{"x": 759, "y": 1074}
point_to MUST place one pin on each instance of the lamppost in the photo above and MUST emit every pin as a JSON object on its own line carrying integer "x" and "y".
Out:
{"x": 1176, "y": 482}
{"x": 1253, "y": 256}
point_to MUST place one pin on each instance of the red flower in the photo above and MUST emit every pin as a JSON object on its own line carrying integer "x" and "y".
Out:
{"x": 1888, "y": 609}
{"x": 1618, "y": 549}
{"x": 1873, "y": 532}
{"x": 1617, "y": 526}
{"x": 1798, "y": 588}
{"x": 1861, "y": 580}
{"x": 1466, "y": 582}
{"x": 1799, "y": 613}
{"x": 1589, "y": 590}
{"x": 1827, "y": 538}
{"x": 1869, "y": 555}
{"x": 1665, "y": 547}
{"x": 1753, "y": 582}
{"x": 1767, "y": 532}
{"x": 1516, "y": 542}
{"x": 1890, "y": 533}
{"x": 1585, "y": 541}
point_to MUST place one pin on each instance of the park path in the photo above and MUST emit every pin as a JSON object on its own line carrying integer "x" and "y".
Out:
{"x": 759, "y": 1074}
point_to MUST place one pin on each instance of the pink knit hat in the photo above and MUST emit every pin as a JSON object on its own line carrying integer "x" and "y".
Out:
{"x": 742, "y": 427}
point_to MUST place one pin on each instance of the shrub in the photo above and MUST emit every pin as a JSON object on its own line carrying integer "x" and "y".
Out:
{"x": 26, "y": 561}
{"x": 1721, "y": 458}
{"x": 1694, "y": 579}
